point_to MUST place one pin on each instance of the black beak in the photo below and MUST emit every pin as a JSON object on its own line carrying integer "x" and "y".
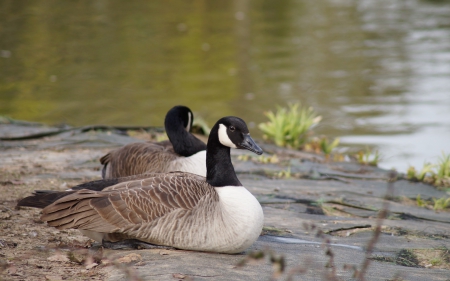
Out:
{"x": 249, "y": 144}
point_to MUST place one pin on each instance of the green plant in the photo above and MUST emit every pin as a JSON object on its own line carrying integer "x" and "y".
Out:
{"x": 426, "y": 171}
{"x": 285, "y": 173}
{"x": 261, "y": 159}
{"x": 319, "y": 202}
{"x": 268, "y": 159}
{"x": 436, "y": 174}
{"x": 327, "y": 147}
{"x": 442, "y": 176}
{"x": 436, "y": 261}
{"x": 288, "y": 127}
{"x": 244, "y": 157}
{"x": 441, "y": 203}
{"x": 411, "y": 173}
{"x": 420, "y": 202}
{"x": 321, "y": 144}
{"x": 368, "y": 158}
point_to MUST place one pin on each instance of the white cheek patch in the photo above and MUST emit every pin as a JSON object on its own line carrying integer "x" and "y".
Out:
{"x": 223, "y": 137}
{"x": 188, "y": 128}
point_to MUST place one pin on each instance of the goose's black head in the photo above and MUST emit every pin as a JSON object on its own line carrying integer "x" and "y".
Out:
{"x": 228, "y": 132}
{"x": 179, "y": 116}
{"x": 233, "y": 132}
{"x": 178, "y": 124}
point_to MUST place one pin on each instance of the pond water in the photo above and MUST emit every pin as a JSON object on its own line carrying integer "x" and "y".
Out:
{"x": 378, "y": 71}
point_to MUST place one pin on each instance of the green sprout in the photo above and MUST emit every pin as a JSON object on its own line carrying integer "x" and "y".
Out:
{"x": 436, "y": 174}
{"x": 411, "y": 173}
{"x": 368, "y": 158}
{"x": 426, "y": 171}
{"x": 285, "y": 173}
{"x": 420, "y": 202}
{"x": 442, "y": 177}
{"x": 268, "y": 159}
{"x": 327, "y": 147}
{"x": 441, "y": 203}
{"x": 244, "y": 157}
{"x": 273, "y": 159}
{"x": 321, "y": 144}
{"x": 288, "y": 127}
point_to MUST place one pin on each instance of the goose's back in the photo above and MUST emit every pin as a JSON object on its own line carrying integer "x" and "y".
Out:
{"x": 138, "y": 158}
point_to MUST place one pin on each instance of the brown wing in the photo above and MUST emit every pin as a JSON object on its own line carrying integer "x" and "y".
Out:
{"x": 127, "y": 204}
{"x": 138, "y": 158}
{"x": 43, "y": 198}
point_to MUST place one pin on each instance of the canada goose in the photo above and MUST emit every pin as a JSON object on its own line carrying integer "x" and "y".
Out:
{"x": 184, "y": 152}
{"x": 180, "y": 210}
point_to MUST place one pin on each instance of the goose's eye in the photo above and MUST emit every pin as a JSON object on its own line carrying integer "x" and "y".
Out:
{"x": 232, "y": 128}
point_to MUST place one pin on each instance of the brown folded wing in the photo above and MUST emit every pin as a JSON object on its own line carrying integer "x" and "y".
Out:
{"x": 138, "y": 158}
{"x": 127, "y": 204}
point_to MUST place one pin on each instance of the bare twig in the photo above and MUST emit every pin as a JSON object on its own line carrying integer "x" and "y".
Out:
{"x": 376, "y": 235}
{"x": 330, "y": 274}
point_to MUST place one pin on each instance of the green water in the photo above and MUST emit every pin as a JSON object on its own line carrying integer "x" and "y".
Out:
{"x": 377, "y": 71}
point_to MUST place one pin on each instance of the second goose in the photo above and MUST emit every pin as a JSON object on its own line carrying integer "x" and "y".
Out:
{"x": 184, "y": 152}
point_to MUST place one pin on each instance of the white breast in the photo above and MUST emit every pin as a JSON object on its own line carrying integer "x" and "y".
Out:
{"x": 242, "y": 216}
{"x": 195, "y": 164}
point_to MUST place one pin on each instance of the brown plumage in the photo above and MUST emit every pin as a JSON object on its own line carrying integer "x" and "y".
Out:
{"x": 139, "y": 158}
{"x": 121, "y": 207}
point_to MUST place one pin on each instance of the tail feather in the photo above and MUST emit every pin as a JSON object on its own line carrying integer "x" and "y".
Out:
{"x": 105, "y": 161}
{"x": 97, "y": 185}
{"x": 42, "y": 198}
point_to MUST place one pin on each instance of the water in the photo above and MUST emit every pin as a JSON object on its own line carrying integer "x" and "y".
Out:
{"x": 378, "y": 71}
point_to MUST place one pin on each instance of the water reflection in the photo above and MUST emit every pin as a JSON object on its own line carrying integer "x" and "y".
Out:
{"x": 378, "y": 71}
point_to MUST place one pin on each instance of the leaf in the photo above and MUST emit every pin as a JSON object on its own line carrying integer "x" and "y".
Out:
{"x": 130, "y": 258}
{"x": 58, "y": 258}
{"x": 91, "y": 266}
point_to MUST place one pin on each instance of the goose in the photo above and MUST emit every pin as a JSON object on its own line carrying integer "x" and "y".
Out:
{"x": 178, "y": 209}
{"x": 183, "y": 152}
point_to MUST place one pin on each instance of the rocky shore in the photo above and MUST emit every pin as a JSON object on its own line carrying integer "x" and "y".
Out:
{"x": 320, "y": 218}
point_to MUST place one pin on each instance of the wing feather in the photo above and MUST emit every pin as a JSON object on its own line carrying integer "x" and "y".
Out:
{"x": 138, "y": 158}
{"x": 128, "y": 203}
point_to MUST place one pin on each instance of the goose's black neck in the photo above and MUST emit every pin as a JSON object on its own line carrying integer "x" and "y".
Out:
{"x": 219, "y": 169}
{"x": 184, "y": 143}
